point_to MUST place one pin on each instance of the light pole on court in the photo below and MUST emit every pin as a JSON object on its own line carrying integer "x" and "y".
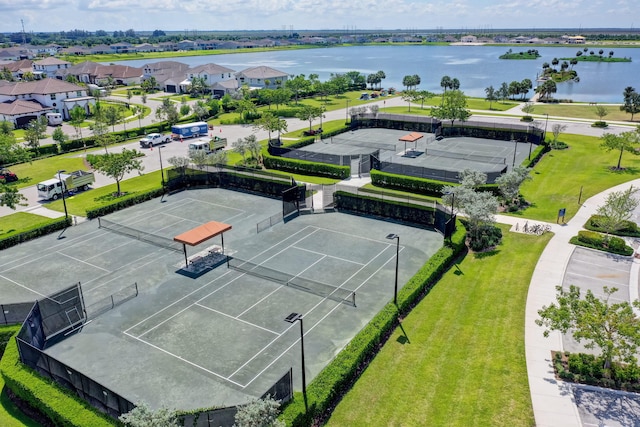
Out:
{"x": 63, "y": 188}
{"x": 346, "y": 120}
{"x": 395, "y": 288}
{"x": 292, "y": 318}
{"x": 161, "y": 169}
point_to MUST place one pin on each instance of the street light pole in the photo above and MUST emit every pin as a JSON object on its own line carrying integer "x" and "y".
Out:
{"x": 161, "y": 170}
{"x": 292, "y": 318}
{"x": 544, "y": 137}
{"x": 346, "y": 120}
{"x": 530, "y": 141}
{"x": 395, "y": 288}
{"x": 63, "y": 188}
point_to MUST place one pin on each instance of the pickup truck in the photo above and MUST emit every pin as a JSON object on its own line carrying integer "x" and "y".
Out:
{"x": 53, "y": 188}
{"x": 154, "y": 139}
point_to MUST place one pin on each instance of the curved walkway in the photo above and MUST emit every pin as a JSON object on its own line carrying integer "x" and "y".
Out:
{"x": 553, "y": 402}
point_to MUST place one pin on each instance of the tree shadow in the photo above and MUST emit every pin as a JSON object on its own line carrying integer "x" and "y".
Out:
{"x": 458, "y": 272}
{"x": 487, "y": 254}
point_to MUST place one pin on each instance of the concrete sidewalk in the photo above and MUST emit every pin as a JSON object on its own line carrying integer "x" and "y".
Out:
{"x": 553, "y": 401}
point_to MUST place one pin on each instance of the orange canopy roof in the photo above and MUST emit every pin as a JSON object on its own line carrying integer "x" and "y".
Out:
{"x": 413, "y": 136}
{"x": 202, "y": 233}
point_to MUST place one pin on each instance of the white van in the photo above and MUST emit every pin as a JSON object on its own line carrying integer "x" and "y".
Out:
{"x": 54, "y": 119}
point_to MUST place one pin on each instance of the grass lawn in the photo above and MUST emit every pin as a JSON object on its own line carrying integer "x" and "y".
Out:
{"x": 557, "y": 178}
{"x": 18, "y": 222}
{"x": 584, "y": 111}
{"x": 458, "y": 359}
{"x": 43, "y": 169}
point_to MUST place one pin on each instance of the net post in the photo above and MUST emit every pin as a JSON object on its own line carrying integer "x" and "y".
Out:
{"x": 99, "y": 223}
{"x": 353, "y": 297}
{"x": 136, "y": 286}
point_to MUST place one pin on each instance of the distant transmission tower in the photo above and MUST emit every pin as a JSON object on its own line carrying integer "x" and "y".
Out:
{"x": 24, "y": 36}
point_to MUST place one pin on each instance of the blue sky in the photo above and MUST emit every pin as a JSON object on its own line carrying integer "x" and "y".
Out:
{"x": 473, "y": 15}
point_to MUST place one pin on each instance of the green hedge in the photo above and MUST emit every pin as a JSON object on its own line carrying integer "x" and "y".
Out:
{"x": 629, "y": 228}
{"x": 427, "y": 187}
{"x": 33, "y": 233}
{"x": 306, "y": 168}
{"x": 124, "y": 202}
{"x": 53, "y": 401}
{"x": 594, "y": 240}
{"x": 386, "y": 208}
{"x": 337, "y": 378}
{"x": 6, "y": 332}
{"x": 536, "y": 155}
{"x": 588, "y": 369}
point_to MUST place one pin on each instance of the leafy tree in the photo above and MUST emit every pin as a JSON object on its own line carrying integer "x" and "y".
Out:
{"x": 198, "y": 86}
{"x": 259, "y": 413}
{"x": 185, "y": 109}
{"x": 5, "y": 74}
{"x": 421, "y": 96}
{"x": 117, "y": 165}
{"x": 509, "y": 183}
{"x": 617, "y": 209}
{"x": 411, "y": 82}
{"x": 138, "y": 110}
{"x": 144, "y": 98}
{"x": 281, "y": 96}
{"x": 11, "y": 151}
{"x": 35, "y": 131}
{"x": 253, "y": 147}
{"x": 101, "y": 130}
{"x": 11, "y": 197}
{"x": 528, "y": 108}
{"x": 601, "y": 111}
{"x": 546, "y": 89}
{"x": 180, "y": 164}
{"x": 6, "y": 127}
{"x": 143, "y": 416}
{"x": 240, "y": 147}
{"x": 409, "y": 96}
{"x": 199, "y": 158}
{"x": 631, "y": 103}
{"x": 625, "y": 141}
{"x": 217, "y": 158}
{"x": 245, "y": 107}
{"x": 310, "y": 113}
{"x": 270, "y": 123}
{"x": 59, "y": 136}
{"x": 168, "y": 111}
{"x": 492, "y": 95}
{"x": 454, "y": 107}
{"x": 149, "y": 85}
{"x": 200, "y": 109}
{"x": 611, "y": 327}
{"x": 129, "y": 95}
{"x": 556, "y": 130}
{"x": 111, "y": 116}
{"x": 297, "y": 85}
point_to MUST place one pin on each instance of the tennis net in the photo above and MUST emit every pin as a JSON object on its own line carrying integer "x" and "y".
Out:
{"x": 154, "y": 239}
{"x": 368, "y": 144}
{"x": 306, "y": 285}
{"x": 466, "y": 156}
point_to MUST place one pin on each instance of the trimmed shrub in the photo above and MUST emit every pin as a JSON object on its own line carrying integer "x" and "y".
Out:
{"x": 385, "y": 208}
{"x": 305, "y": 168}
{"x": 33, "y": 233}
{"x": 337, "y": 378}
{"x": 124, "y": 202}
{"x": 591, "y": 239}
{"x": 599, "y": 124}
{"x": 629, "y": 228}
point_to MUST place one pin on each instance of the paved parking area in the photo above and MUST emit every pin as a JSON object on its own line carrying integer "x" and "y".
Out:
{"x": 591, "y": 270}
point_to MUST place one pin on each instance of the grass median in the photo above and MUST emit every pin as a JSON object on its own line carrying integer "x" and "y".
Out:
{"x": 458, "y": 358}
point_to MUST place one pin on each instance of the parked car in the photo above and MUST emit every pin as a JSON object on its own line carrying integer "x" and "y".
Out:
{"x": 8, "y": 176}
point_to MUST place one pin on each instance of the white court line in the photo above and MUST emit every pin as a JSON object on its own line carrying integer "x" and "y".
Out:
{"x": 83, "y": 262}
{"x": 326, "y": 256}
{"x": 236, "y": 318}
{"x": 606, "y": 266}
{"x": 187, "y": 307}
{"x": 338, "y": 304}
{"x": 23, "y": 286}
{"x": 261, "y": 299}
{"x": 351, "y": 235}
{"x": 154, "y": 260}
{"x": 185, "y": 360}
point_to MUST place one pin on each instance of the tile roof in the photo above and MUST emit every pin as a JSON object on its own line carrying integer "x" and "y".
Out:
{"x": 40, "y": 87}
{"x": 51, "y": 61}
{"x": 210, "y": 69}
{"x": 262, "y": 72}
{"x": 20, "y": 106}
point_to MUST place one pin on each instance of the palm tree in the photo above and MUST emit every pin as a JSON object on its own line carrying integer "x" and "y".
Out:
{"x": 491, "y": 95}
{"x": 610, "y": 53}
{"x": 555, "y": 62}
{"x": 600, "y": 52}
{"x": 573, "y": 62}
{"x": 445, "y": 82}
{"x": 381, "y": 76}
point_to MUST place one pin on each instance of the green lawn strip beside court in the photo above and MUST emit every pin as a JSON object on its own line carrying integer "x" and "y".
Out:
{"x": 10, "y": 415}
{"x": 335, "y": 379}
{"x": 19, "y": 222}
{"x": 558, "y": 177}
{"x": 458, "y": 359}
{"x": 40, "y": 170}
{"x": 80, "y": 203}
{"x": 56, "y": 403}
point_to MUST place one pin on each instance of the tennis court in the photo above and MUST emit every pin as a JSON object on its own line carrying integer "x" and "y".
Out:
{"x": 221, "y": 338}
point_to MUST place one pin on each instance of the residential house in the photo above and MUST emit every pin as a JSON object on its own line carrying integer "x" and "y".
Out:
{"x": 18, "y": 68}
{"x": 146, "y": 47}
{"x": 469, "y": 39}
{"x": 22, "y": 102}
{"x": 168, "y": 74}
{"x": 187, "y": 45}
{"x": 122, "y": 47}
{"x": 49, "y": 66}
{"x": 168, "y": 46}
{"x": 75, "y": 50}
{"x": 210, "y": 73}
{"x": 94, "y": 73}
{"x": 100, "y": 49}
{"x": 261, "y": 77}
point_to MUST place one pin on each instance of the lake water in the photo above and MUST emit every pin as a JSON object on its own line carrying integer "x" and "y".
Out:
{"x": 477, "y": 67}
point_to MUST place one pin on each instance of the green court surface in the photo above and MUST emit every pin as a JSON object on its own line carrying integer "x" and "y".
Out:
{"x": 218, "y": 339}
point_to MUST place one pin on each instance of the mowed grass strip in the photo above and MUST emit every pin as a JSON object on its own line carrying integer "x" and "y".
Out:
{"x": 464, "y": 361}
{"x": 558, "y": 177}
{"x": 20, "y": 221}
